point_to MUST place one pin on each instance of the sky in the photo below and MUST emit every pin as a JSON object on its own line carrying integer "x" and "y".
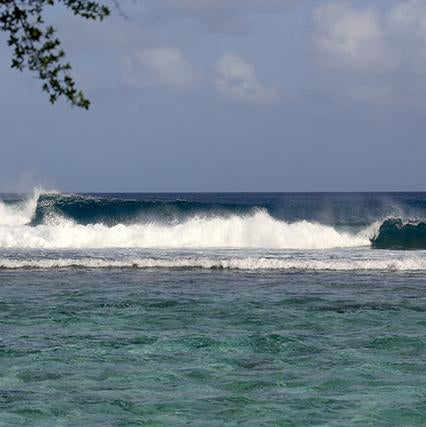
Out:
{"x": 227, "y": 95}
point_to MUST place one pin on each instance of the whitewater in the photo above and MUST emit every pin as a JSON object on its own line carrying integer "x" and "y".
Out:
{"x": 48, "y": 230}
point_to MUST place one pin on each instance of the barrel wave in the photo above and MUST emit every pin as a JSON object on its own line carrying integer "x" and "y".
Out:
{"x": 396, "y": 233}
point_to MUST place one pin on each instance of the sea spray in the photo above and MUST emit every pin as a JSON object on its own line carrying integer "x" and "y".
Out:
{"x": 21, "y": 212}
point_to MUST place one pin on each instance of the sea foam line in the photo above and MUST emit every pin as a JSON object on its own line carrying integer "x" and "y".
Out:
{"x": 249, "y": 263}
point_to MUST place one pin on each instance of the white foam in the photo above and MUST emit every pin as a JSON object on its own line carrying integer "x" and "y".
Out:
{"x": 248, "y": 263}
{"x": 258, "y": 230}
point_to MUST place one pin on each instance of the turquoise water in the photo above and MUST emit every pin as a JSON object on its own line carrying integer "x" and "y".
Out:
{"x": 122, "y": 347}
{"x": 213, "y": 309}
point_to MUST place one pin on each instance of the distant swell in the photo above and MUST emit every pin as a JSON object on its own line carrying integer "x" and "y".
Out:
{"x": 398, "y": 234}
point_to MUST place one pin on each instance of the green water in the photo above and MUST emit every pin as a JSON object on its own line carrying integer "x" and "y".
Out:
{"x": 191, "y": 347}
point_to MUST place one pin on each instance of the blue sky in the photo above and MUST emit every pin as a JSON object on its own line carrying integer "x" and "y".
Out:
{"x": 228, "y": 95}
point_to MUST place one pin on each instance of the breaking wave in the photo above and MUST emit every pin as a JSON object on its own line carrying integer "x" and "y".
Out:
{"x": 53, "y": 221}
{"x": 60, "y": 221}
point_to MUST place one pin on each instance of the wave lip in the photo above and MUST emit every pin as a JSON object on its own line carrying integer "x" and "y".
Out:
{"x": 394, "y": 233}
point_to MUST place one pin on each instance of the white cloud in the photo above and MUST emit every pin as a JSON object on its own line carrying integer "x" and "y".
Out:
{"x": 352, "y": 38}
{"x": 165, "y": 66}
{"x": 379, "y": 54}
{"x": 368, "y": 39}
{"x": 236, "y": 78}
{"x": 409, "y": 16}
{"x": 406, "y": 26}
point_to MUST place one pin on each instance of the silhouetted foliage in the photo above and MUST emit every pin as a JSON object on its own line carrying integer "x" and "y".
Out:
{"x": 35, "y": 46}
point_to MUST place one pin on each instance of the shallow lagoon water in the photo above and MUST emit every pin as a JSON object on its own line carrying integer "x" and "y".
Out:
{"x": 121, "y": 347}
{"x": 212, "y": 309}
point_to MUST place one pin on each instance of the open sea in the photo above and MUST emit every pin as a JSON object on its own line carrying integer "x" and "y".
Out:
{"x": 286, "y": 309}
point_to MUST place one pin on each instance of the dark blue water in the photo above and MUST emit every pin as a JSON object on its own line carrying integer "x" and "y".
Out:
{"x": 212, "y": 309}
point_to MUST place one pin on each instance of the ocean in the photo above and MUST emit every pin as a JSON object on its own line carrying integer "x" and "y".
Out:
{"x": 289, "y": 309}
